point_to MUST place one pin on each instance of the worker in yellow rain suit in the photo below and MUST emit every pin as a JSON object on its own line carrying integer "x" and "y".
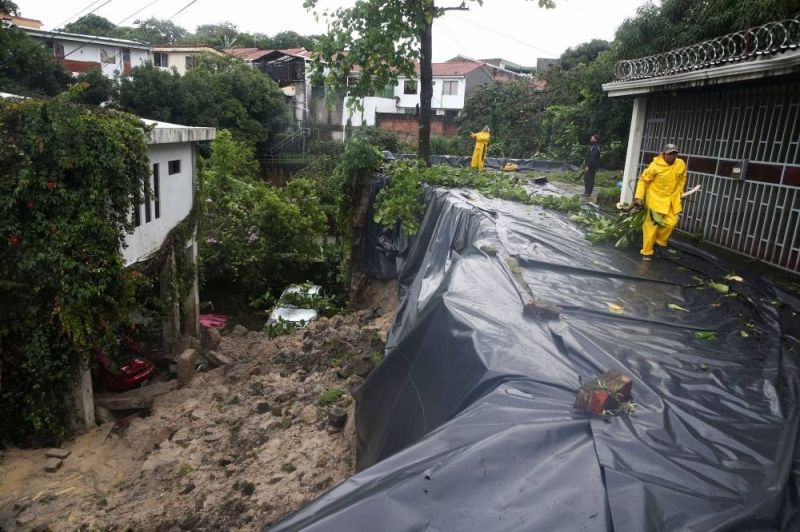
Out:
{"x": 660, "y": 186}
{"x": 479, "y": 153}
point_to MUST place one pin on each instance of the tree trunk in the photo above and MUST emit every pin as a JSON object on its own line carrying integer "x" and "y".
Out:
{"x": 426, "y": 93}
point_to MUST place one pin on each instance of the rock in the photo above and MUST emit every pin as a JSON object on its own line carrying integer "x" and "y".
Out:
{"x": 236, "y": 373}
{"x": 323, "y": 484}
{"x": 103, "y": 415}
{"x": 362, "y": 367}
{"x": 308, "y": 345}
{"x": 188, "y": 342}
{"x": 345, "y": 371}
{"x": 182, "y": 436}
{"x": 190, "y": 522}
{"x": 230, "y": 470}
{"x": 263, "y": 407}
{"x": 336, "y": 321}
{"x": 211, "y": 338}
{"x": 211, "y": 438}
{"x": 309, "y": 414}
{"x": 218, "y": 359}
{"x": 186, "y": 488}
{"x": 52, "y": 465}
{"x": 57, "y": 453}
{"x": 185, "y": 367}
{"x": 337, "y": 417}
{"x": 26, "y": 517}
{"x": 226, "y": 460}
{"x": 197, "y": 415}
{"x": 239, "y": 330}
{"x": 248, "y": 488}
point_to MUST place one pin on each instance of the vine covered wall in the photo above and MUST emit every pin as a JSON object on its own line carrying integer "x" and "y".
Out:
{"x": 69, "y": 176}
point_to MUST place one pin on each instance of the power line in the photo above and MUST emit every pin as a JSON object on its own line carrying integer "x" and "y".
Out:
{"x": 81, "y": 12}
{"x": 181, "y": 10}
{"x": 507, "y": 36}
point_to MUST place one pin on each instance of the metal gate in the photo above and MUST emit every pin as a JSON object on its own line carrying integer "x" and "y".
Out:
{"x": 758, "y": 216}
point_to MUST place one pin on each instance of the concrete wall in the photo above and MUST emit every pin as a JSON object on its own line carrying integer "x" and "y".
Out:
{"x": 176, "y": 192}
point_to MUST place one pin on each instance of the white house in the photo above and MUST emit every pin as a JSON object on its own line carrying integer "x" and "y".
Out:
{"x": 81, "y": 53}
{"x": 181, "y": 58}
{"x": 453, "y": 82}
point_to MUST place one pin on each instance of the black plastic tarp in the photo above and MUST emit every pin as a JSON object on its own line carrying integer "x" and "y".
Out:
{"x": 469, "y": 424}
{"x": 382, "y": 248}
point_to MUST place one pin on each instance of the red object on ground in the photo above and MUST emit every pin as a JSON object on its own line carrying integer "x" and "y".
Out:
{"x": 130, "y": 375}
{"x": 213, "y": 321}
{"x": 605, "y": 392}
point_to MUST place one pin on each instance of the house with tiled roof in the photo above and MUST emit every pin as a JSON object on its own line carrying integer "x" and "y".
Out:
{"x": 180, "y": 57}
{"x": 397, "y": 107}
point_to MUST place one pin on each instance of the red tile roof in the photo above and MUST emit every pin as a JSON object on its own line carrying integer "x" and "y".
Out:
{"x": 248, "y": 54}
{"x": 454, "y": 69}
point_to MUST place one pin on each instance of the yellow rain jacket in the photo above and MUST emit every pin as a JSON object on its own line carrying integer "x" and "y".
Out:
{"x": 479, "y": 153}
{"x": 662, "y": 185}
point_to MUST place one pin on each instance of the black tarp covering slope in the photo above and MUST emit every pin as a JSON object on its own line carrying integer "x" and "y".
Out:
{"x": 468, "y": 424}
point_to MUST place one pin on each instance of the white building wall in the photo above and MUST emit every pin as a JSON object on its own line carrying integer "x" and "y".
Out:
{"x": 372, "y": 105}
{"x": 176, "y": 195}
{"x": 439, "y": 100}
{"x": 93, "y": 52}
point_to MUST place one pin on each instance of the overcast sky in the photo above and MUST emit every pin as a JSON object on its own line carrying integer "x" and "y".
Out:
{"x": 516, "y": 30}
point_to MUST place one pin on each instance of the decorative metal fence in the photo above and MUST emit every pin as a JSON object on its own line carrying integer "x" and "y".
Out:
{"x": 770, "y": 38}
{"x": 755, "y": 129}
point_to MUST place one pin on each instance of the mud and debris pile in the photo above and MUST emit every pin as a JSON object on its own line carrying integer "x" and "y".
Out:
{"x": 237, "y": 448}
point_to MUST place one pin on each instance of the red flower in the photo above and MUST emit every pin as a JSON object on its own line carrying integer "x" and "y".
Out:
{"x": 136, "y": 274}
{"x": 14, "y": 240}
{"x": 29, "y": 204}
{"x": 51, "y": 185}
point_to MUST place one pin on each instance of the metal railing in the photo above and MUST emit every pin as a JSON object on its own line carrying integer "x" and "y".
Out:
{"x": 771, "y": 38}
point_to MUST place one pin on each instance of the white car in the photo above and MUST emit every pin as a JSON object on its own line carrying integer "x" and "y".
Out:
{"x": 289, "y": 312}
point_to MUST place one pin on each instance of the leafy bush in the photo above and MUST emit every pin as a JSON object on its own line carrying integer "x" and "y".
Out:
{"x": 255, "y": 237}
{"x": 450, "y": 146}
{"x": 69, "y": 177}
{"x": 382, "y": 139}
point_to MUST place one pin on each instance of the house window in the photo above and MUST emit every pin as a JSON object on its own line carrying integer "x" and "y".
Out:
{"x": 410, "y": 86}
{"x": 160, "y": 60}
{"x": 126, "y": 55}
{"x": 157, "y": 191}
{"x": 137, "y": 211}
{"x": 387, "y": 92}
{"x": 107, "y": 57}
{"x": 174, "y": 167}
{"x": 148, "y": 215}
{"x": 450, "y": 88}
{"x": 189, "y": 62}
{"x": 57, "y": 49}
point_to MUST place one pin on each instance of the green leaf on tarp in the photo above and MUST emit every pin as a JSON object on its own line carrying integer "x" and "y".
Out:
{"x": 672, "y": 251}
{"x": 673, "y": 306}
{"x": 744, "y": 334}
{"x": 732, "y": 277}
{"x": 705, "y": 335}
{"x": 720, "y": 287}
{"x": 658, "y": 218}
{"x": 616, "y": 309}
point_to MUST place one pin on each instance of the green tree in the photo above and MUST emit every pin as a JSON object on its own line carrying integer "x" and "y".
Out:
{"x": 151, "y": 93}
{"x": 384, "y": 38}
{"x": 155, "y": 31}
{"x": 27, "y": 68}
{"x": 582, "y": 54}
{"x": 222, "y": 35}
{"x": 255, "y": 238}
{"x": 291, "y": 39}
{"x": 92, "y": 24}
{"x": 95, "y": 87}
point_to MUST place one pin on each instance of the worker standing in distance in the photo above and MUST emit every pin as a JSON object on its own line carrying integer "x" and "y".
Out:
{"x": 591, "y": 162}
{"x": 660, "y": 186}
{"x": 481, "y": 142}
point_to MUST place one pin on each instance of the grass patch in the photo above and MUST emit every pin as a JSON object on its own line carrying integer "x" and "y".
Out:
{"x": 330, "y": 396}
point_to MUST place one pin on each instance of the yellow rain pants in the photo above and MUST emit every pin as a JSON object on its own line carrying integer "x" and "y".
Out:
{"x": 661, "y": 186}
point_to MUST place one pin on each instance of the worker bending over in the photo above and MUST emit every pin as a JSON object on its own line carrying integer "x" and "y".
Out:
{"x": 660, "y": 186}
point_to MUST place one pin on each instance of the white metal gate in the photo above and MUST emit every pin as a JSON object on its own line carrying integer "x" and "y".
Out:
{"x": 758, "y": 216}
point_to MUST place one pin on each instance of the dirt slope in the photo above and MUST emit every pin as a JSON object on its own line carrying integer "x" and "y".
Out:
{"x": 236, "y": 449}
